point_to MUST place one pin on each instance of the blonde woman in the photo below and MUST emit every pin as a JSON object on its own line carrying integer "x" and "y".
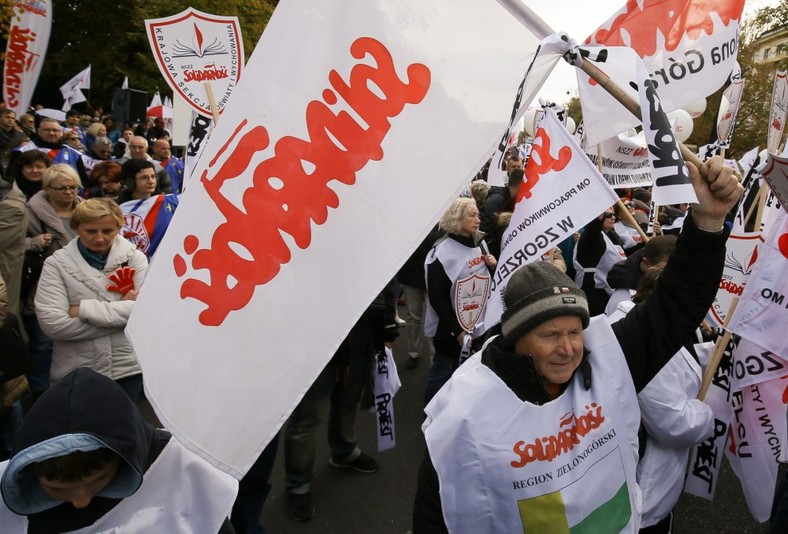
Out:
{"x": 458, "y": 271}
{"x": 86, "y": 294}
{"x": 48, "y": 230}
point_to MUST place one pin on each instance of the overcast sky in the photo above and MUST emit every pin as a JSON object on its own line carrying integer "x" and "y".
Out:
{"x": 579, "y": 18}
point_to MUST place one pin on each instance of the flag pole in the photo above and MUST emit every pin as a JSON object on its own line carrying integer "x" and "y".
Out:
{"x": 719, "y": 349}
{"x": 212, "y": 102}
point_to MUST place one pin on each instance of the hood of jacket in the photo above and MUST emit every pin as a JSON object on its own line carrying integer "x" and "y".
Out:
{"x": 84, "y": 411}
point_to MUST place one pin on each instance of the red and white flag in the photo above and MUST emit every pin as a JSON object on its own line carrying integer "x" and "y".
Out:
{"x": 316, "y": 185}
{"x": 779, "y": 110}
{"x": 561, "y": 191}
{"x": 741, "y": 252}
{"x": 28, "y": 38}
{"x": 762, "y": 312}
{"x": 689, "y": 48}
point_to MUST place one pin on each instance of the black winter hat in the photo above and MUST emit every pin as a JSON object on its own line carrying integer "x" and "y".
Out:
{"x": 537, "y": 293}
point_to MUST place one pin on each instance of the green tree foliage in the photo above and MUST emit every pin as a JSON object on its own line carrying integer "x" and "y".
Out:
{"x": 111, "y": 38}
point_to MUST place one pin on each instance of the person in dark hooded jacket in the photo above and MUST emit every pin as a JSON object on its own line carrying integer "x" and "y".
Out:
{"x": 85, "y": 450}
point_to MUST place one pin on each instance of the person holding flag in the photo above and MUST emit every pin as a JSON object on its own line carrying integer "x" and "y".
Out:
{"x": 559, "y": 450}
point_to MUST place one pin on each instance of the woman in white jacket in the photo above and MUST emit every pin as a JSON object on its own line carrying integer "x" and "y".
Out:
{"x": 86, "y": 294}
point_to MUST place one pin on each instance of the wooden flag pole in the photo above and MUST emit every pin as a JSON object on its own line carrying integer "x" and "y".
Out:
{"x": 212, "y": 103}
{"x": 719, "y": 350}
{"x": 634, "y": 107}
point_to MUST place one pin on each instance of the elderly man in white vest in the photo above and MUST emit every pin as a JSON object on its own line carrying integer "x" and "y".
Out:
{"x": 538, "y": 432}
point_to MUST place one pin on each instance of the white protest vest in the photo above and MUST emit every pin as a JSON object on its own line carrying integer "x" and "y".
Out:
{"x": 630, "y": 236}
{"x": 470, "y": 286}
{"x": 613, "y": 254}
{"x": 180, "y": 493}
{"x": 510, "y": 466}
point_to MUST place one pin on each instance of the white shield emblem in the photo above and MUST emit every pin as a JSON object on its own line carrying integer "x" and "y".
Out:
{"x": 470, "y": 298}
{"x": 199, "y": 55}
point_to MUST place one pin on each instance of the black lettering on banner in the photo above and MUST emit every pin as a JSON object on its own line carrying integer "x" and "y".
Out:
{"x": 707, "y": 456}
{"x": 669, "y": 168}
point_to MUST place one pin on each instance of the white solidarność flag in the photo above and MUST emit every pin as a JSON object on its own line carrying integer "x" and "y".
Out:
{"x": 316, "y": 185}
{"x": 561, "y": 192}
{"x": 689, "y": 47}
{"x": 762, "y": 312}
{"x": 28, "y": 38}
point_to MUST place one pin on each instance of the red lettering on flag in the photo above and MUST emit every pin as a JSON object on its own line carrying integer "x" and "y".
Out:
{"x": 543, "y": 163}
{"x": 284, "y": 196}
{"x": 638, "y": 27}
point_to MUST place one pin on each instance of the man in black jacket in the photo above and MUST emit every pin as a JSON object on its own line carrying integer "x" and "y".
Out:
{"x": 533, "y": 417}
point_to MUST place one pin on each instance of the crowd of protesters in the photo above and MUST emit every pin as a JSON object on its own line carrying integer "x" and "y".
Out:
{"x": 71, "y": 277}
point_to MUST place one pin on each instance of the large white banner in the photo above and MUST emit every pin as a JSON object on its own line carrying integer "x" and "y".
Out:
{"x": 316, "y": 185}
{"x": 28, "y": 38}
{"x": 689, "y": 48}
{"x": 560, "y": 193}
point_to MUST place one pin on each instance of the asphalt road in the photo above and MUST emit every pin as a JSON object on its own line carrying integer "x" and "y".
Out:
{"x": 348, "y": 502}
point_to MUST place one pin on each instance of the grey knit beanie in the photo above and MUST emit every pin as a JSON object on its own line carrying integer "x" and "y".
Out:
{"x": 536, "y": 293}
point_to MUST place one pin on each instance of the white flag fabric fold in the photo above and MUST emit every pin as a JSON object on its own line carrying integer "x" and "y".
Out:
{"x": 71, "y": 90}
{"x": 730, "y": 102}
{"x": 754, "y": 445}
{"x": 779, "y": 110}
{"x": 762, "y": 312}
{"x": 561, "y": 191}
{"x": 28, "y": 38}
{"x": 316, "y": 185}
{"x": 689, "y": 47}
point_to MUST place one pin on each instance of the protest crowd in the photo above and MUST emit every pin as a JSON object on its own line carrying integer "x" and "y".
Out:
{"x": 590, "y": 383}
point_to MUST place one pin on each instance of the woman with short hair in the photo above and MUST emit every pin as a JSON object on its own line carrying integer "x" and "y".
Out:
{"x": 86, "y": 294}
{"x": 28, "y": 169}
{"x": 48, "y": 230}
{"x": 106, "y": 180}
{"x": 459, "y": 269}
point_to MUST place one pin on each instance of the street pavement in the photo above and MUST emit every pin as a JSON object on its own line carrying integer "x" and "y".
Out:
{"x": 348, "y": 502}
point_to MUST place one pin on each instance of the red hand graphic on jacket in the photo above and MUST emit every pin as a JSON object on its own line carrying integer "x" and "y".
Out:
{"x": 122, "y": 280}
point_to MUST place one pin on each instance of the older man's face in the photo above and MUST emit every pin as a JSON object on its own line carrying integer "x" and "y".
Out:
{"x": 102, "y": 151}
{"x": 50, "y": 132}
{"x": 161, "y": 149}
{"x": 138, "y": 148}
